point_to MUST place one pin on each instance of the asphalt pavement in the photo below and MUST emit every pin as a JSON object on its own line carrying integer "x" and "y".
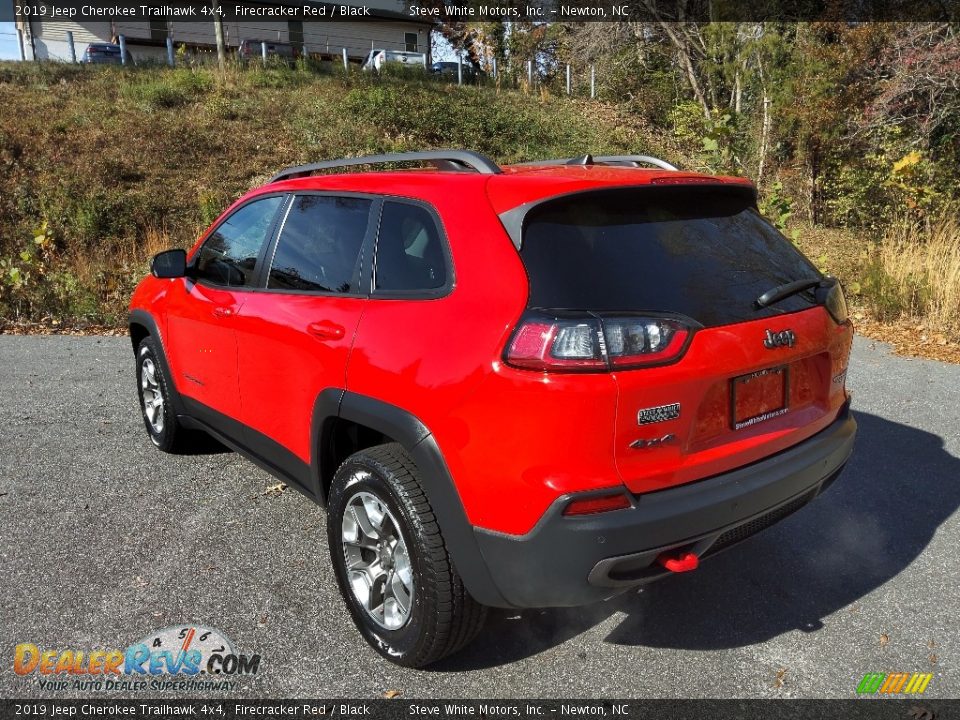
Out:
{"x": 104, "y": 540}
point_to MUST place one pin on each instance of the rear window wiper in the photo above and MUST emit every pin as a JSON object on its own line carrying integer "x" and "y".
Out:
{"x": 782, "y": 292}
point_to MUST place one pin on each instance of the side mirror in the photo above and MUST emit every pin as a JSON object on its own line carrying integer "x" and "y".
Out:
{"x": 169, "y": 264}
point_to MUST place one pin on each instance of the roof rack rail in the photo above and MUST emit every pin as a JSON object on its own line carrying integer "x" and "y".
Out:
{"x": 442, "y": 159}
{"x": 631, "y": 160}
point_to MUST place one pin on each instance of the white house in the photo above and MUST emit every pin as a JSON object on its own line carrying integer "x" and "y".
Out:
{"x": 388, "y": 27}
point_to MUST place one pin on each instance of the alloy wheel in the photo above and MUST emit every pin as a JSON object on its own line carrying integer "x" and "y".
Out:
{"x": 377, "y": 560}
{"x": 152, "y": 395}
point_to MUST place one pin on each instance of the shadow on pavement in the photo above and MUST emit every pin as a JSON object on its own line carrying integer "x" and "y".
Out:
{"x": 200, "y": 443}
{"x": 898, "y": 488}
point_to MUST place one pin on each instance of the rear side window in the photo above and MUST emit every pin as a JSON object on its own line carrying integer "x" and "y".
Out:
{"x": 703, "y": 252}
{"x": 410, "y": 251}
{"x": 319, "y": 248}
{"x": 229, "y": 256}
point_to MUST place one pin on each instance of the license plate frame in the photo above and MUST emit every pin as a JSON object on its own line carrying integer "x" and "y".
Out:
{"x": 766, "y": 413}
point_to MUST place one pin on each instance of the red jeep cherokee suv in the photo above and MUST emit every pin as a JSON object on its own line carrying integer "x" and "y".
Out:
{"x": 528, "y": 386}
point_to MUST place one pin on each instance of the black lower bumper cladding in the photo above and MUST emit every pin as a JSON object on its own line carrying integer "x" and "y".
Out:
{"x": 568, "y": 561}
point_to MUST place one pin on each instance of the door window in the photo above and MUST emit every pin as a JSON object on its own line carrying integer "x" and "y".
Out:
{"x": 319, "y": 248}
{"x": 229, "y": 256}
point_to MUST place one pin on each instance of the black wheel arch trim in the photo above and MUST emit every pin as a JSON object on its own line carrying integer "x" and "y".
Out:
{"x": 146, "y": 320}
{"x": 419, "y": 442}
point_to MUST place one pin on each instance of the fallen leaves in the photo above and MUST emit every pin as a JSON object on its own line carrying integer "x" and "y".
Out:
{"x": 910, "y": 339}
{"x": 275, "y": 490}
{"x": 884, "y": 639}
{"x": 391, "y": 694}
{"x": 780, "y": 677}
{"x": 55, "y": 327}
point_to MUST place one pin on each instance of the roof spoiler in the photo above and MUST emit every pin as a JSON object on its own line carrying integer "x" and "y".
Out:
{"x": 513, "y": 220}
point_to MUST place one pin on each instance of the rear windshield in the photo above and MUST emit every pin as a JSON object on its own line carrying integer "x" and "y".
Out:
{"x": 703, "y": 252}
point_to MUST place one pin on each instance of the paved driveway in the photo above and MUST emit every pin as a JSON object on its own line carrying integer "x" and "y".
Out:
{"x": 103, "y": 540}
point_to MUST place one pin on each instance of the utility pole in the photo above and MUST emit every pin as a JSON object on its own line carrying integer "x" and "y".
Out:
{"x": 218, "y": 30}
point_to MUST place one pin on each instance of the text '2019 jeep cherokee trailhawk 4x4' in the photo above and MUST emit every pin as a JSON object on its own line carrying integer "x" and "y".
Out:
{"x": 527, "y": 386}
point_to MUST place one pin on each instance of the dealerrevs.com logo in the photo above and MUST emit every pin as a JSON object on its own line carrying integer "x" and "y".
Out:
{"x": 185, "y": 657}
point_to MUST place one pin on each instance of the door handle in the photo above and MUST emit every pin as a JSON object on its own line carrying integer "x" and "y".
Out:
{"x": 222, "y": 312}
{"x": 326, "y": 330}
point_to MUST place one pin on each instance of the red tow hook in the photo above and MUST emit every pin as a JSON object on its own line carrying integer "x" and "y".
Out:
{"x": 679, "y": 562}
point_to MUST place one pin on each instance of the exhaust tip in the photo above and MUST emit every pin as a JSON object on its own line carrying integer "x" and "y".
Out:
{"x": 679, "y": 562}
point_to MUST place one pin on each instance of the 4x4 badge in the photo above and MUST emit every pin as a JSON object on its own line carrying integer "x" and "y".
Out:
{"x": 779, "y": 339}
{"x": 644, "y": 443}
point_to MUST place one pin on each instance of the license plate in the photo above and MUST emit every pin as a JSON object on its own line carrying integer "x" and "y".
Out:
{"x": 759, "y": 396}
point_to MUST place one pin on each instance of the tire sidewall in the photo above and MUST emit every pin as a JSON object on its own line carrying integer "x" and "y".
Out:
{"x": 403, "y": 645}
{"x": 164, "y": 439}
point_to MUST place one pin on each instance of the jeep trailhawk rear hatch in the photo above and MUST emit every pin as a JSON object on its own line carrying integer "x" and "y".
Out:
{"x": 693, "y": 280}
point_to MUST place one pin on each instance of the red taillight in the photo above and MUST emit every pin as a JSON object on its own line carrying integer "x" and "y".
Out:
{"x": 644, "y": 341}
{"x": 533, "y": 346}
{"x": 588, "y": 342}
{"x": 597, "y": 504}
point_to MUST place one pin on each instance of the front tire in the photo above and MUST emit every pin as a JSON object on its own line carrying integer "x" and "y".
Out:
{"x": 155, "y": 400}
{"x": 392, "y": 566}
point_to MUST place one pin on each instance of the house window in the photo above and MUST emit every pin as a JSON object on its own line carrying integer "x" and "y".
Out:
{"x": 295, "y": 33}
{"x": 410, "y": 40}
{"x": 158, "y": 30}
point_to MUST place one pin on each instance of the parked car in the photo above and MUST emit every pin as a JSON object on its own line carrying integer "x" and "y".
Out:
{"x": 105, "y": 54}
{"x": 377, "y": 59}
{"x": 526, "y": 386}
{"x": 448, "y": 70}
{"x": 252, "y": 49}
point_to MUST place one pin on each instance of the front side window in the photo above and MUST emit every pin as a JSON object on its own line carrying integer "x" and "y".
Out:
{"x": 319, "y": 248}
{"x": 410, "y": 251}
{"x": 410, "y": 40}
{"x": 229, "y": 256}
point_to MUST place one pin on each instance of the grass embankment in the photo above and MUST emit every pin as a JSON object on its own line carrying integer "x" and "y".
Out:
{"x": 102, "y": 167}
{"x": 903, "y": 284}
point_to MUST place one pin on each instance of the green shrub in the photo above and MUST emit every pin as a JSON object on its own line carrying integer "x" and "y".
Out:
{"x": 166, "y": 89}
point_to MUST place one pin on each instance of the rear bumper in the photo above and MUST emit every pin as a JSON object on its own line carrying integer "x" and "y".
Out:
{"x": 567, "y": 561}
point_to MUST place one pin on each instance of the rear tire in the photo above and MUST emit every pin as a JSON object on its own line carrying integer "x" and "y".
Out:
{"x": 392, "y": 566}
